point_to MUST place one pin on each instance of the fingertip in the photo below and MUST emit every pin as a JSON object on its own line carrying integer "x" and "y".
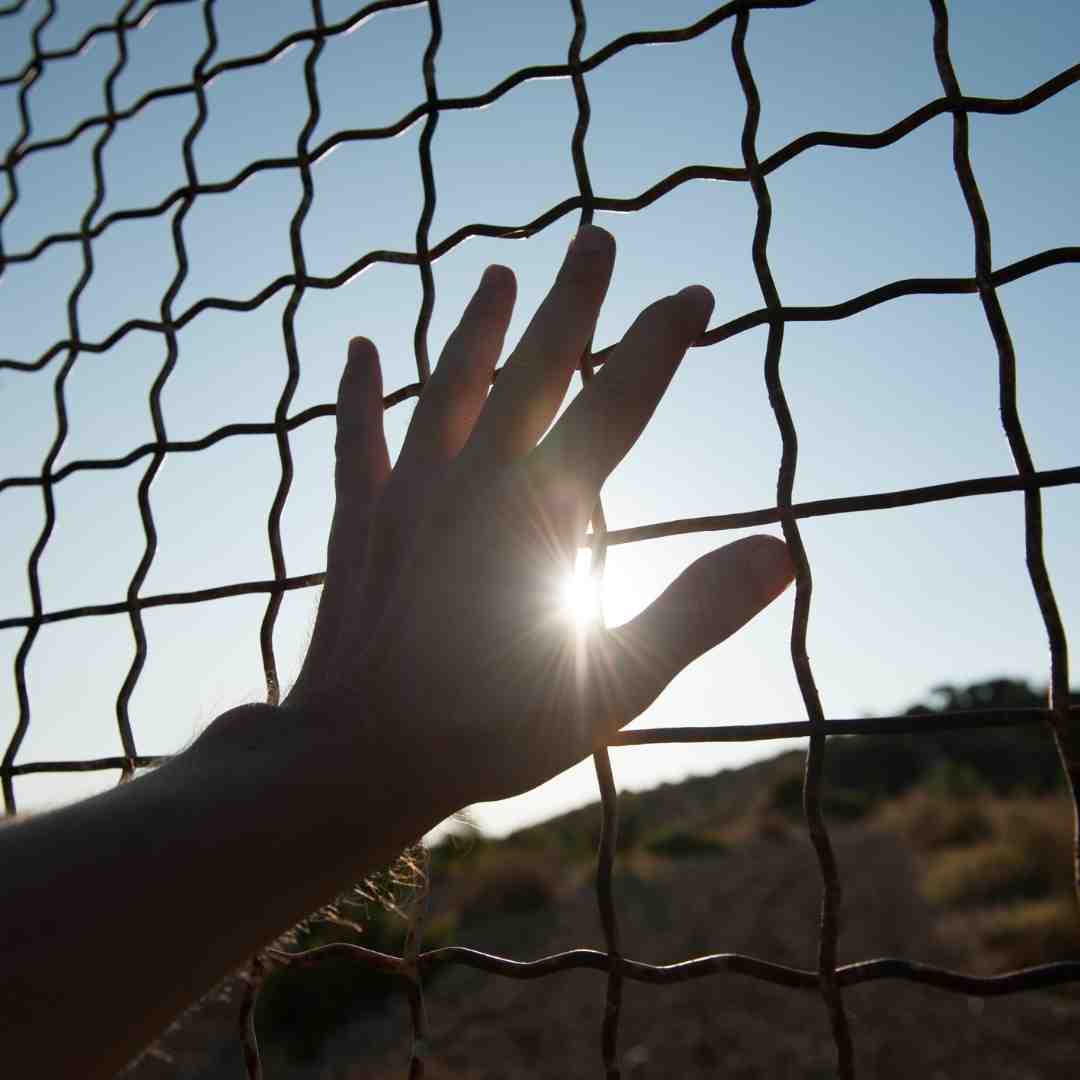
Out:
{"x": 361, "y": 381}
{"x": 495, "y": 295}
{"x": 497, "y": 276}
{"x": 592, "y": 240}
{"x": 362, "y": 350}
{"x": 360, "y": 446}
{"x": 766, "y": 562}
{"x": 702, "y": 301}
{"x": 713, "y": 598}
{"x": 362, "y": 365}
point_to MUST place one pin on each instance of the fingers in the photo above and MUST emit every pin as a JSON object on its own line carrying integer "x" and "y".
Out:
{"x": 609, "y": 414}
{"x": 531, "y": 387}
{"x": 361, "y": 469}
{"x": 715, "y": 596}
{"x": 362, "y": 463}
{"x": 458, "y": 388}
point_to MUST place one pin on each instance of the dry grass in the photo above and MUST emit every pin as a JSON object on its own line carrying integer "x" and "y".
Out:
{"x": 997, "y": 870}
{"x": 929, "y": 822}
{"x": 944, "y": 875}
{"x": 505, "y": 883}
{"x": 1033, "y": 932}
{"x": 677, "y": 842}
{"x": 989, "y": 873}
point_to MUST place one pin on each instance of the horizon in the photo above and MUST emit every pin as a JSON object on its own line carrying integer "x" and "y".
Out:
{"x": 903, "y": 395}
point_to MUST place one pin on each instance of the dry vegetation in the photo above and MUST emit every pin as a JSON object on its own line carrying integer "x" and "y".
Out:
{"x": 997, "y": 872}
{"x": 956, "y": 865}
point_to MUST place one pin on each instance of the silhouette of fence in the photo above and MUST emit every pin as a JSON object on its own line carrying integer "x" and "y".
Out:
{"x": 828, "y": 979}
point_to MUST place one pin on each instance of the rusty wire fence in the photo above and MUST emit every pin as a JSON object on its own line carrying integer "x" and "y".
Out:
{"x": 829, "y": 980}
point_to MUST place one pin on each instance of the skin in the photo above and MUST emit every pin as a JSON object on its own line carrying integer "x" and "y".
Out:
{"x": 440, "y": 674}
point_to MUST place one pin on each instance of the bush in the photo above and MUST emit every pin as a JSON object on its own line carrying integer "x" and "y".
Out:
{"x": 843, "y": 804}
{"x": 302, "y": 1004}
{"x": 785, "y": 796}
{"x": 456, "y": 850}
{"x": 1043, "y": 826}
{"x": 954, "y": 779}
{"x": 507, "y": 883}
{"x": 930, "y": 823}
{"x": 996, "y": 872}
{"x": 677, "y": 841}
{"x": 1034, "y": 933}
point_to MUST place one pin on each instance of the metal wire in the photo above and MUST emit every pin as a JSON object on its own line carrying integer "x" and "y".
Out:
{"x": 785, "y": 486}
{"x": 828, "y": 979}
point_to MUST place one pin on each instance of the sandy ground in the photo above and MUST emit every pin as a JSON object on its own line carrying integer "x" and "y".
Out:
{"x": 762, "y": 899}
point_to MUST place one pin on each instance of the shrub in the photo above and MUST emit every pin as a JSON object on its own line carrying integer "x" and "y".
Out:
{"x": 930, "y": 823}
{"x": 302, "y": 1004}
{"x": 1043, "y": 826}
{"x": 996, "y": 872}
{"x": 507, "y": 883}
{"x": 785, "y": 796}
{"x": 1035, "y": 932}
{"x": 843, "y": 804}
{"x": 677, "y": 841}
{"x": 457, "y": 850}
{"x": 954, "y": 779}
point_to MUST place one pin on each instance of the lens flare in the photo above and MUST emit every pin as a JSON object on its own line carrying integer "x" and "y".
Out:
{"x": 579, "y": 597}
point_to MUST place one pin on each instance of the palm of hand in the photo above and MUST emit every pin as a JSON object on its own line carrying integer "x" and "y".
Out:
{"x": 439, "y": 621}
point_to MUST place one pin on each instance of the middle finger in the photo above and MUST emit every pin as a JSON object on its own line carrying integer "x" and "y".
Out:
{"x": 533, "y": 383}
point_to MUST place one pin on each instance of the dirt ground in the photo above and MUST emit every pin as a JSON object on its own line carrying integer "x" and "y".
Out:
{"x": 762, "y": 899}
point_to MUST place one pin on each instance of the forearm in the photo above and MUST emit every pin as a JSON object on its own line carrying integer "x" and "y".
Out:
{"x": 120, "y": 911}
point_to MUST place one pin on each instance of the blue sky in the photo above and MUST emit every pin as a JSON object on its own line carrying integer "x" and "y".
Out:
{"x": 902, "y": 395}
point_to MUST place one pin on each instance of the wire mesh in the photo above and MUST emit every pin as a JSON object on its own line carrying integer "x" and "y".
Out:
{"x": 828, "y": 980}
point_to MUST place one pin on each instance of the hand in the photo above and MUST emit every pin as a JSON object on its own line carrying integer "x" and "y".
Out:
{"x": 439, "y": 623}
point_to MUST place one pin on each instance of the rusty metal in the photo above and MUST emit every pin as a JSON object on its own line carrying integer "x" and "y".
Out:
{"x": 828, "y": 980}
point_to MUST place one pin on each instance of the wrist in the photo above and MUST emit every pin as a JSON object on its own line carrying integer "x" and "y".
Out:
{"x": 341, "y": 779}
{"x": 382, "y": 728}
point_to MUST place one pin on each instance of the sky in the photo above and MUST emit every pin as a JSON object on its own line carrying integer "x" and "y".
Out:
{"x": 902, "y": 395}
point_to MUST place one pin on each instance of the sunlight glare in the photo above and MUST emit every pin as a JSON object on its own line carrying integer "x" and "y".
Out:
{"x": 579, "y": 597}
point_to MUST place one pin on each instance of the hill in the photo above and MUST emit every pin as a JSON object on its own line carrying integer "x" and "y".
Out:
{"x": 954, "y": 848}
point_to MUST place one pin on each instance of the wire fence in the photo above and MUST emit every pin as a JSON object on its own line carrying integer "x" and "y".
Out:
{"x": 828, "y": 979}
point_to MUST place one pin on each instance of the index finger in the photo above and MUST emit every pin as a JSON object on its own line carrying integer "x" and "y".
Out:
{"x": 610, "y": 413}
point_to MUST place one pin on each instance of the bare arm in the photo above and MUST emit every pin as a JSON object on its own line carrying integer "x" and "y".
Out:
{"x": 439, "y": 674}
{"x": 121, "y": 910}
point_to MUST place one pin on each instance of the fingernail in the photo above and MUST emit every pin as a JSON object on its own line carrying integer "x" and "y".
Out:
{"x": 590, "y": 240}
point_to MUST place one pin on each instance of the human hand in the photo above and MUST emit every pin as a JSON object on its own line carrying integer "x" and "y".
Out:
{"x": 439, "y": 631}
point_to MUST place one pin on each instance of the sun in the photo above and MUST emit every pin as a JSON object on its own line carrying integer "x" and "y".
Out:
{"x": 579, "y": 595}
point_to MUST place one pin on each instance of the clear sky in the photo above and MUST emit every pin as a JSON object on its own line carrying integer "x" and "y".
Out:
{"x": 902, "y": 395}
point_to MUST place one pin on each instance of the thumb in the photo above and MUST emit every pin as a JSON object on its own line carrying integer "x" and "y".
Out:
{"x": 711, "y": 599}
